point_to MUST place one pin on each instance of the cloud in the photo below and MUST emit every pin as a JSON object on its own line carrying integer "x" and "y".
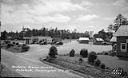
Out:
{"x": 91, "y": 26}
{"x": 87, "y": 17}
{"x": 19, "y": 2}
{"x": 9, "y": 15}
{"x": 55, "y": 18}
{"x": 22, "y": 11}
{"x": 55, "y": 6}
{"x": 83, "y": 2}
{"x": 109, "y": 18}
{"x": 121, "y": 3}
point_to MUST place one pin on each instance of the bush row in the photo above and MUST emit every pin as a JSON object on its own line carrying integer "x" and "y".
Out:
{"x": 83, "y": 53}
{"x": 92, "y": 57}
{"x": 8, "y": 44}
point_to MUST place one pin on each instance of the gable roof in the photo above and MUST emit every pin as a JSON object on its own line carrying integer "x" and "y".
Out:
{"x": 83, "y": 38}
{"x": 122, "y": 31}
{"x": 99, "y": 39}
{"x": 113, "y": 39}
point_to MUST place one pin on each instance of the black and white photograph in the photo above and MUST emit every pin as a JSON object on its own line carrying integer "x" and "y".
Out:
{"x": 64, "y": 38}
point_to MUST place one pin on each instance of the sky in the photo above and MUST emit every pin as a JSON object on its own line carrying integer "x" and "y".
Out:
{"x": 82, "y": 15}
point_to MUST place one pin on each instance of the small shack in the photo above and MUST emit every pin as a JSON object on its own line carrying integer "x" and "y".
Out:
{"x": 98, "y": 41}
{"x": 83, "y": 40}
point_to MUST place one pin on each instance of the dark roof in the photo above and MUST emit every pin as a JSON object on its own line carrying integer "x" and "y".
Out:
{"x": 122, "y": 31}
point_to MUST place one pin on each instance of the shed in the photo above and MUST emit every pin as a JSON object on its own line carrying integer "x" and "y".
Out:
{"x": 83, "y": 40}
{"x": 98, "y": 41}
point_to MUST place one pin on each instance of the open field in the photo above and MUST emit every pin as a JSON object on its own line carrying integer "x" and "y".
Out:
{"x": 72, "y": 44}
{"x": 77, "y": 47}
{"x": 36, "y": 51}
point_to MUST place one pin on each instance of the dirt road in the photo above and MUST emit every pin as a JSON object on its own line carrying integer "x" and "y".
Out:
{"x": 32, "y": 68}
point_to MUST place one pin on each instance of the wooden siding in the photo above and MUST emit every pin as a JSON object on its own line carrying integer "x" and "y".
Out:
{"x": 121, "y": 39}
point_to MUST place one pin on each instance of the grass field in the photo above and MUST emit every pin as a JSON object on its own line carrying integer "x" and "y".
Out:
{"x": 66, "y": 48}
{"x": 114, "y": 62}
{"x": 109, "y": 61}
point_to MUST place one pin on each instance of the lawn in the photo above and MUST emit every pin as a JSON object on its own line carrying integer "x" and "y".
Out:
{"x": 109, "y": 61}
{"x": 72, "y": 63}
{"x": 114, "y": 62}
{"x": 66, "y": 48}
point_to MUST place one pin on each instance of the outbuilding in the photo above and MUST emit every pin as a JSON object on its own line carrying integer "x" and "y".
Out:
{"x": 98, "y": 41}
{"x": 83, "y": 40}
{"x": 122, "y": 41}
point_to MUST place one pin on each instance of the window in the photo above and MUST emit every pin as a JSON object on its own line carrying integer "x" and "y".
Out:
{"x": 127, "y": 41}
{"x": 123, "y": 47}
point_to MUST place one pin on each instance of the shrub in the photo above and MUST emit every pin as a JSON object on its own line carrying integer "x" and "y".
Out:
{"x": 105, "y": 53}
{"x": 53, "y": 52}
{"x": 113, "y": 54}
{"x": 25, "y": 48}
{"x": 72, "y": 53}
{"x": 7, "y": 42}
{"x": 91, "y": 57}
{"x": 124, "y": 74}
{"x": 48, "y": 59}
{"x": 1, "y": 67}
{"x": 13, "y": 43}
{"x": 84, "y": 53}
{"x": 9, "y": 45}
{"x": 2, "y": 44}
{"x": 97, "y": 62}
{"x": 17, "y": 43}
{"x": 102, "y": 66}
{"x": 80, "y": 60}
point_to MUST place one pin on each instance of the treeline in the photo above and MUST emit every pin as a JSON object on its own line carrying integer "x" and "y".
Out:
{"x": 26, "y": 32}
{"x": 67, "y": 34}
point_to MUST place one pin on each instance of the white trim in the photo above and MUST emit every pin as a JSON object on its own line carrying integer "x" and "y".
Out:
{"x": 123, "y": 50}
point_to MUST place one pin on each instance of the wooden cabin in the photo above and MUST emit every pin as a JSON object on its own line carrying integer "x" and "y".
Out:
{"x": 122, "y": 41}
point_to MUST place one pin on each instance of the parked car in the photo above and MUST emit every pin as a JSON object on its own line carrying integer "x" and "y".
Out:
{"x": 40, "y": 41}
{"x": 34, "y": 42}
{"x": 53, "y": 42}
{"x": 43, "y": 43}
{"x": 59, "y": 43}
